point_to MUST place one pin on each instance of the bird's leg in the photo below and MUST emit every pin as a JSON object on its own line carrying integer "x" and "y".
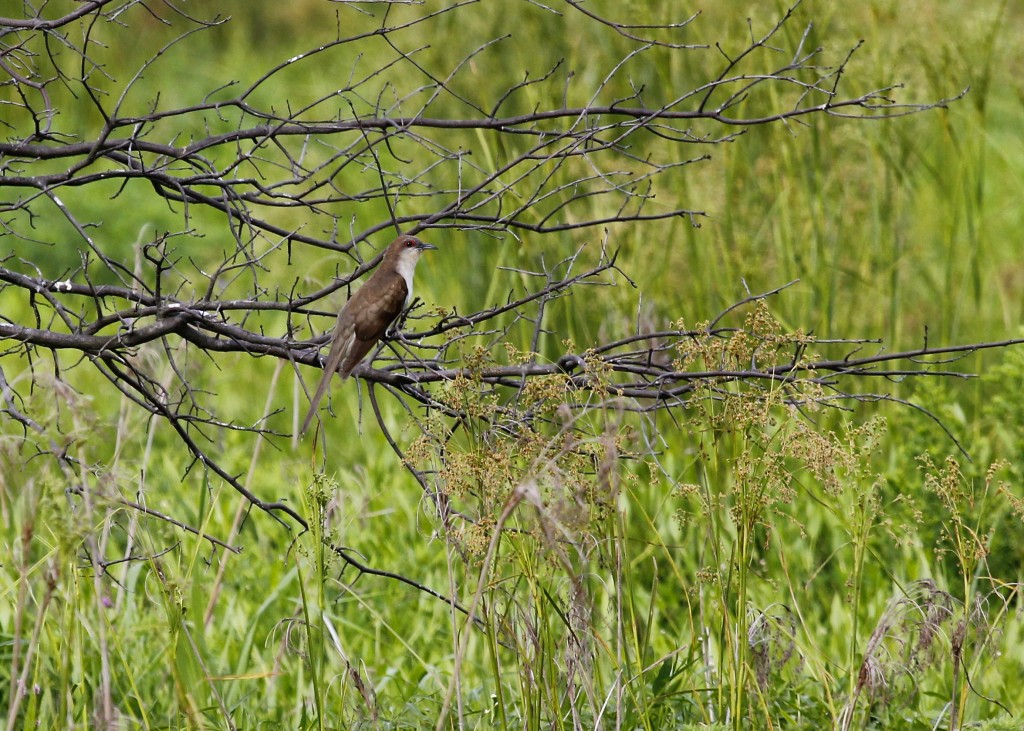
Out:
{"x": 395, "y": 330}
{"x": 394, "y": 333}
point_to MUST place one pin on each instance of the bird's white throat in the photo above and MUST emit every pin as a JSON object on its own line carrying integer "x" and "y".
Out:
{"x": 406, "y": 266}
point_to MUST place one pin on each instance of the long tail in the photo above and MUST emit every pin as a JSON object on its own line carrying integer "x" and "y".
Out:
{"x": 330, "y": 368}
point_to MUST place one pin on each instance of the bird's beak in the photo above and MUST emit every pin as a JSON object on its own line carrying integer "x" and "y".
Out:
{"x": 423, "y": 246}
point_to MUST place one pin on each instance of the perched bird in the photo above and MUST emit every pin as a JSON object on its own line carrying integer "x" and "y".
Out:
{"x": 364, "y": 319}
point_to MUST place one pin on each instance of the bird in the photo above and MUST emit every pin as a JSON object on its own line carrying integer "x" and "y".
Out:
{"x": 368, "y": 313}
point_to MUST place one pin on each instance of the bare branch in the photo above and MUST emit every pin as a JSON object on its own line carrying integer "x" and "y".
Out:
{"x": 233, "y": 195}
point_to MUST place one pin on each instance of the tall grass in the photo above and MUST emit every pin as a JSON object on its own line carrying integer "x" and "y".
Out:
{"x": 737, "y": 566}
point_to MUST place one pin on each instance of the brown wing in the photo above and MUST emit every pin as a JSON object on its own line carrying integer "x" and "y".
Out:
{"x": 371, "y": 315}
{"x": 361, "y": 323}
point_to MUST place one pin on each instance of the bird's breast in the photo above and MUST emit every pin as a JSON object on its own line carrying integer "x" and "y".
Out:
{"x": 406, "y": 268}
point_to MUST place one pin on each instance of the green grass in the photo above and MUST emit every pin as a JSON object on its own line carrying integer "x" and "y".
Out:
{"x": 735, "y": 579}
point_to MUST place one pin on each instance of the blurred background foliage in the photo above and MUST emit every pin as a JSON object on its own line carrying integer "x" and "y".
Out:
{"x": 904, "y": 229}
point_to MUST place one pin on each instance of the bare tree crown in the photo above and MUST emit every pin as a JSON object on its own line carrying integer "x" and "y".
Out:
{"x": 140, "y": 224}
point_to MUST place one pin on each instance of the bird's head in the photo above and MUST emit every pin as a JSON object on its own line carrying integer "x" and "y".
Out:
{"x": 407, "y": 249}
{"x": 402, "y": 255}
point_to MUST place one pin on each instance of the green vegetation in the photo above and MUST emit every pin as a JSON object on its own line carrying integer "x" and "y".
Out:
{"x": 736, "y": 564}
